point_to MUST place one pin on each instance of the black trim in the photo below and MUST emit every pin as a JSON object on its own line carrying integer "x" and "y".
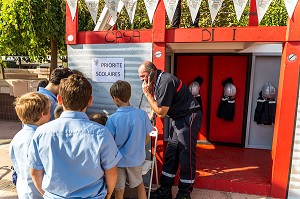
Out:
{"x": 246, "y": 99}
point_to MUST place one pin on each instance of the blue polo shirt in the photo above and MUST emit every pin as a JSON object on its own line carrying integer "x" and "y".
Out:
{"x": 129, "y": 127}
{"x": 74, "y": 152}
{"x": 52, "y": 98}
{"x": 18, "y": 154}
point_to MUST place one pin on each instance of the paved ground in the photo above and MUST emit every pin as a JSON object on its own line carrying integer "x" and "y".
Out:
{"x": 7, "y": 190}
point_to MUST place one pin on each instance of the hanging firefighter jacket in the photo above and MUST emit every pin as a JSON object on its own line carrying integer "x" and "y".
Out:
{"x": 265, "y": 110}
{"x": 226, "y": 108}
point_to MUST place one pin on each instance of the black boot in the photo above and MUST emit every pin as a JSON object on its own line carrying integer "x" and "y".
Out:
{"x": 183, "y": 196}
{"x": 161, "y": 193}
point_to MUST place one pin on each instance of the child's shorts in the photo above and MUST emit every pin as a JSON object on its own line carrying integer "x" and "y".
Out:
{"x": 134, "y": 175}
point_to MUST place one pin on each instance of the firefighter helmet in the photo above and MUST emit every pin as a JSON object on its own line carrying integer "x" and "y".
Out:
{"x": 268, "y": 91}
{"x": 229, "y": 90}
{"x": 194, "y": 88}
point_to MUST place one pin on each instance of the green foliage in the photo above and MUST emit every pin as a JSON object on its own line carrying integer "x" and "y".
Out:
{"x": 27, "y": 27}
{"x": 226, "y": 17}
{"x": 276, "y": 14}
{"x": 85, "y": 21}
{"x": 140, "y": 21}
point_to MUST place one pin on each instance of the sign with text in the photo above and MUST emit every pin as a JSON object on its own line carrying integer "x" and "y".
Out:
{"x": 107, "y": 69}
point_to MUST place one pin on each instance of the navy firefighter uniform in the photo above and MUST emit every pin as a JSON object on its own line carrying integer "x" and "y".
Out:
{"x": 186, "y": 118}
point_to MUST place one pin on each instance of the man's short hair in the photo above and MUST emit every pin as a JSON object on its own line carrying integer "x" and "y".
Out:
{"x": 149, "y": 66}
{"x": 121, "y": 89}
{"x": 58, "y": 74}
{"x": 30, "y": 106}
{"x": 75, "y": 92}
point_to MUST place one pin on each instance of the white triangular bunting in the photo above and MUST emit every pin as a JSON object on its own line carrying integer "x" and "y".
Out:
{"x": 214, "y": 7}
{"x": 73, "y": 7}
{"x": 239, "y": 6}
{"x": 262, "y": 7}
{"x": 112, "y": 6}
{"x": 170, "y": 6}
{"x": 130, "y": 6}
{"x": 194, "y": 6}
{"x": 151, "y": 7}
{"x": 92, "y": 5}
{"x": 290, "y": 6}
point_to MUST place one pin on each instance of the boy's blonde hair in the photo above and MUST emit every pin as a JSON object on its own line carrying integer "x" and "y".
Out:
{"x": 30, "y": 106}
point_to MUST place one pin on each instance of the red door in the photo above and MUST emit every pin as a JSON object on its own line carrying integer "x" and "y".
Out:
{"x": 189, "y": 67}
{"x": 214, "y": 70}
{"x": 223, "y": 68}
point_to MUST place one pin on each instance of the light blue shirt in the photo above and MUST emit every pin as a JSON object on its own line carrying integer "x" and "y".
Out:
{"x": 74, "y": 152}
{"x": 52, "y": 98}
{"x": 18, "y": 154}
{"x": 129, "y": 127}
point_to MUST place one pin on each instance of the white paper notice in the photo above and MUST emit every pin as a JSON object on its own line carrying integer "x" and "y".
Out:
{"x": 262, "y": 7}
{"x": 194, "y": 6}
{"x": 214, "y": 7}
{"x": 107, "y": 69}
{"x": 130, "y": 6}
{"x": 239, "y": 6}
{"x": 170, "y": 6}
{"x": 112, "y": 6}
{"x": 151, "y": 7}
{"x": 92, "y": 5}
{"x": 73, "y": 7}
{"x": 290, "y": 6}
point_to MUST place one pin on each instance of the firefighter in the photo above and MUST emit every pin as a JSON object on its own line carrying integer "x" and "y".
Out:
{"x": 172, "y": 98}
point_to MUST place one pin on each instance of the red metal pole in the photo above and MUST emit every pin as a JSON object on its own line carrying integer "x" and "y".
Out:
{"x": 159, "y": 58}
{"x": 286, "y": 111}
{"x": 71, "y": 26}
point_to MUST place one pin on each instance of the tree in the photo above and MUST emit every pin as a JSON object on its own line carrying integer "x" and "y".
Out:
{"x": 32, "y": 28}
{"x": 275, "y": 16}
{"x": 36, "y": 28}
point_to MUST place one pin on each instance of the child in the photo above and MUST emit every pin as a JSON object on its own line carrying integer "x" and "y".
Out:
{"x": 51, "y": 90}
{"x": 129, "y": 127}
{"x": 70, "y": 155}
{"x": 100, "y": 118}
{"x": 33, "y": 109}
{"x": 57, "y": 111}
{"x": 43, "y": 84}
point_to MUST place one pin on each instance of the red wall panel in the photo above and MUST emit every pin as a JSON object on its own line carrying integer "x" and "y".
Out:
{"x": 189, "y": 67}
{"x": 223, "y": 68}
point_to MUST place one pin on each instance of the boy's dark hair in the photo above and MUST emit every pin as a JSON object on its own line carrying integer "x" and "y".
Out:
{"x": 58, "y": 74}
{"x": 100, "y": 118}
{"x": 75, "y": 92}
{"x": 57, "y": 111}
{"x": 75, "y": 71}
{"x": 121, "y": 90}
{"x": 42, "y": 83}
